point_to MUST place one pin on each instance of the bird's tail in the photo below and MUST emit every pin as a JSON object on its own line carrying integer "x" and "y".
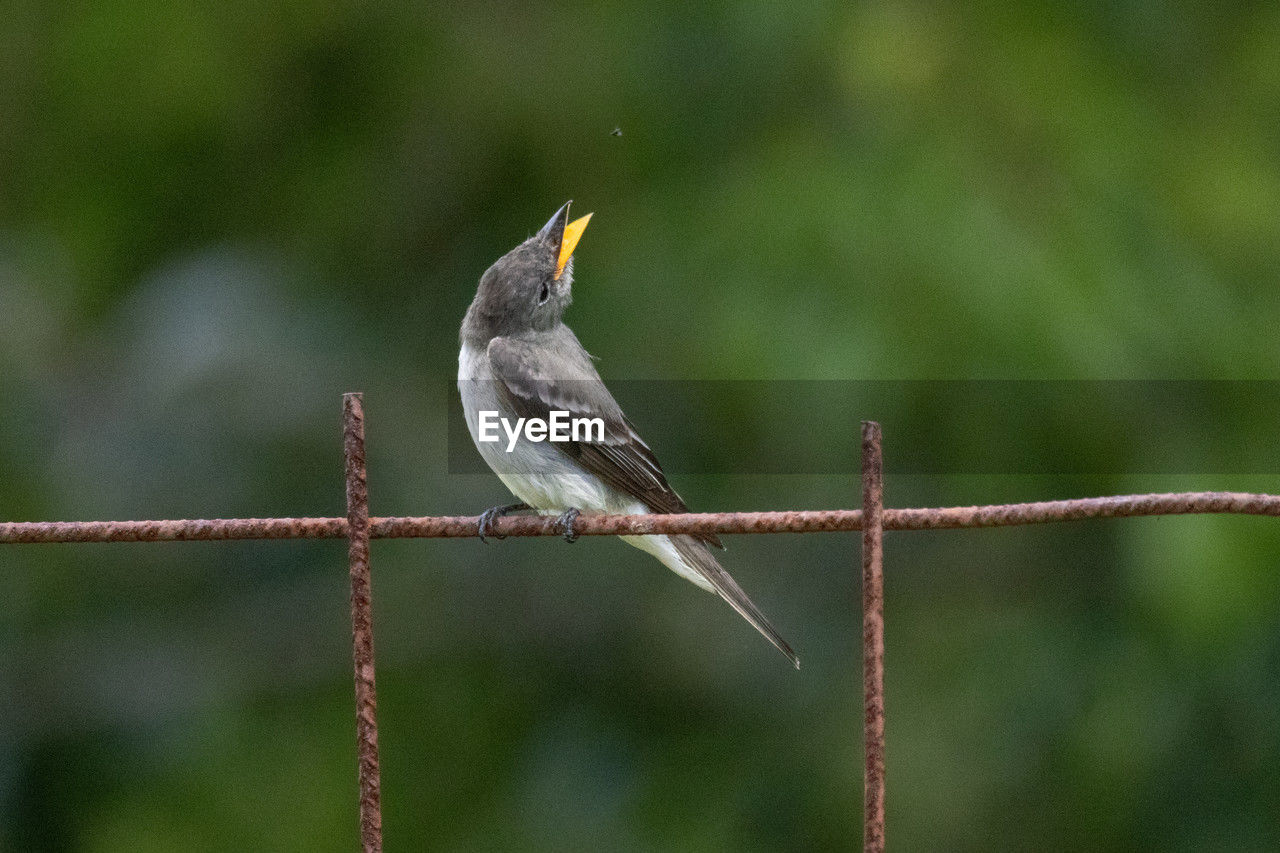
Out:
{"x": 696, "y": 556}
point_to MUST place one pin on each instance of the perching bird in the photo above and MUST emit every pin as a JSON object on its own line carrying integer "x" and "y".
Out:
{"x": 519, "y": 360}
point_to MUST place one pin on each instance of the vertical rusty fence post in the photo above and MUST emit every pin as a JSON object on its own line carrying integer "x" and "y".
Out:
{"x": 362, "y": 622}
{"x": 873, "y": 636}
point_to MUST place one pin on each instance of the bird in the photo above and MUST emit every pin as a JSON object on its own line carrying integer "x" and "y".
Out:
{"x": 518, "y": 359}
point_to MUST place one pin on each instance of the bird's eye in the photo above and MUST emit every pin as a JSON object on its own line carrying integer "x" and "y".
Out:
{"x": 546, "y": 291}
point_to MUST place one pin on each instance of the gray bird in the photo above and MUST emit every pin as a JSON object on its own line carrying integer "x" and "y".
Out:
{"x": 519, "y": 360}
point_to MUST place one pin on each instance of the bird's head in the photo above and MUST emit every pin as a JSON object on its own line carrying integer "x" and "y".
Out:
{"x": 528, "y": 288}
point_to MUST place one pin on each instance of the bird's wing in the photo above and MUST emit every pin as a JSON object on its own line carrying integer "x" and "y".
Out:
{"x": 538, "y": 379}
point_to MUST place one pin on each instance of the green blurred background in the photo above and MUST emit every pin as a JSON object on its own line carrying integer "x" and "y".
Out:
{"x": 215, "y": 218}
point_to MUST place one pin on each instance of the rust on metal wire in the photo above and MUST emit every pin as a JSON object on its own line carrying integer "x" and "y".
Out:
{"x": 1117, "y": 506}
{"x": 362, "y": 623}
{"x": 798, "y": 521}
{"x": 873, "y": 638}
{"x": 184, "y": 530}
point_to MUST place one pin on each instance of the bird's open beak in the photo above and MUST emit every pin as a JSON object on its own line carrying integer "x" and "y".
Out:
{"x": 572, "y": 234}
{"x": 566, "y": 234}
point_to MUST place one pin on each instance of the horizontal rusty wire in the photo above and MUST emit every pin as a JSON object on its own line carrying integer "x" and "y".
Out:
{"x": 799, "y": 521}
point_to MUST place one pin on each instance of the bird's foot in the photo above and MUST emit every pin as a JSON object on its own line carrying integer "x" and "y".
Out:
{"x": 566, "y": 520}
{"x": 492, "y": 514}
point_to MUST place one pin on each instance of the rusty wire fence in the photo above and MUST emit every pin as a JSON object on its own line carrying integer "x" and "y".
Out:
{"x": 872, "y": 520}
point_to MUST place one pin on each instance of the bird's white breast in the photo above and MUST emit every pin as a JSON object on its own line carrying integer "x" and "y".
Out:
{"x": 540, "y": 474}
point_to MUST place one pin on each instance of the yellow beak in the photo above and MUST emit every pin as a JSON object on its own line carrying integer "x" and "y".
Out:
{"x": 572, "y": 234}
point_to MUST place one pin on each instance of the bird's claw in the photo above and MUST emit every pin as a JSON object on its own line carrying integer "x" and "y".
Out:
{"x": 486, "y": 518}
{"x": 492, "y": 514}
{"x": 566, "y": 520}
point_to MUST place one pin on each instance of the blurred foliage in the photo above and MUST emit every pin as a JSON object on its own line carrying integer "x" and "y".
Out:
{"x": 215, "y": 218}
